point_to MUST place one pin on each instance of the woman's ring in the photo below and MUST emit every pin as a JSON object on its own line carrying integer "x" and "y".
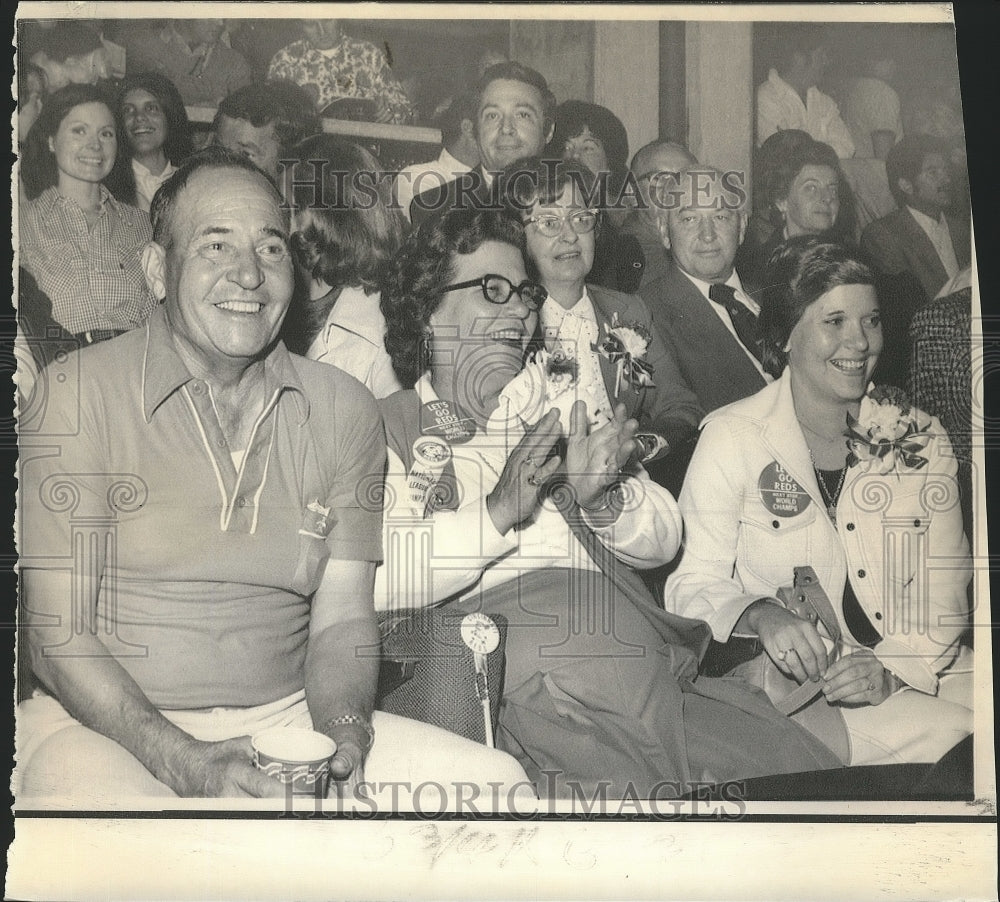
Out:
{"x": 871, "y": 686}
{"x": 534, "y": 480}
{"x": 529, "y": 461}
{"x": 782, "y": 655}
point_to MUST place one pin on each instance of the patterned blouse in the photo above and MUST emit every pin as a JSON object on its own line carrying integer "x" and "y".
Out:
{"x": 352, "y": 69}
{"x": 93, "y": 276}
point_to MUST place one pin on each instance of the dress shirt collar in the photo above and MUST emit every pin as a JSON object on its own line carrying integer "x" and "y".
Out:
{"x": 553, "y": 313}
{"x": 928, "y": 223}
{"x": 733, "y": 282}
{"x": 451, "y": 163}
{"x": 163, "y": 370}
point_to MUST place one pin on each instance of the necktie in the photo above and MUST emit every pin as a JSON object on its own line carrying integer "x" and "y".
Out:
{"x": 743, "y": 319}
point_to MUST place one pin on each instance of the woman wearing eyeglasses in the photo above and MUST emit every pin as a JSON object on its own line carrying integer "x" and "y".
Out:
{"x": 492, "y": 503}
{"x": 619, "y": 356}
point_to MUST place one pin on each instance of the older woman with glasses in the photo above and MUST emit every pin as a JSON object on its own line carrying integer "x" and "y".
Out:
{"x": 609, "y": 336}
{"x": 494, "y": 505}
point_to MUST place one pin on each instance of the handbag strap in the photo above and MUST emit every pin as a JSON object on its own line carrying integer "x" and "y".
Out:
{"x": 807, "y": 594}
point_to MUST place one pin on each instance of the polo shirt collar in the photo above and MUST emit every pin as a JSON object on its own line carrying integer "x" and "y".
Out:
{"x": 163, "y": 370}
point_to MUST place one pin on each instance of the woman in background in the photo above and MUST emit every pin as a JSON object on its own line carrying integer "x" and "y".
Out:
{"x": 806, "y": 194}
{"x": 157, "y": 130}
{"x": 77, "y": 238}
{"x": 593, "y": 136}
{"x": 344, "y": 234}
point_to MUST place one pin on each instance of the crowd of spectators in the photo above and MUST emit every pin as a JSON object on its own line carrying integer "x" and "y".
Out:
{"x": 570, "y": 318}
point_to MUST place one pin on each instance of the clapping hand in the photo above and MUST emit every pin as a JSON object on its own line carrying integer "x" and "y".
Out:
{"x": 594, "y": 459}
{"x": 515, "y": 496}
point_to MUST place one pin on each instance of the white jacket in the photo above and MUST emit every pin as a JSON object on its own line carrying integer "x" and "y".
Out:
{"x": 898, "y": 537}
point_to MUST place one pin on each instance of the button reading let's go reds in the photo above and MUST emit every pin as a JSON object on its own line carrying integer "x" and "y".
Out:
{"x": 781, "y": 494}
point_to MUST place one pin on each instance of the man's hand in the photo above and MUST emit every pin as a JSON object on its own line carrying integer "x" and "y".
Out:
{"x": 225, "y": 770}
{"x": 347, "y": 771}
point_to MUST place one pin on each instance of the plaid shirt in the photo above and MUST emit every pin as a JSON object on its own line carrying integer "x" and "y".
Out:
{"x": 93, "y": 277}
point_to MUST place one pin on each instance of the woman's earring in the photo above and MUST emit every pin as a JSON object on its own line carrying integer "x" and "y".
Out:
{"x": 425, "y": 348}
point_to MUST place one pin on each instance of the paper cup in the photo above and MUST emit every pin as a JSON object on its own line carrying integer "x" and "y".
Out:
{"x": 297, "y": 757}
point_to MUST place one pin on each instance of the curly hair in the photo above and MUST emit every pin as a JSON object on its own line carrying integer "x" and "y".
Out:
{"x": 788, "y": 162}
{"x": 38, "y": 163}
{"x": 346, "y": 230}
{"x": 177, "y": 145}
{"x": 800, "y": 271}
{"x": 423, "y": 268}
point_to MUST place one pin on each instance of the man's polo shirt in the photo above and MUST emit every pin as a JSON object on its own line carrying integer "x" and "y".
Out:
{"x": 207, "y": 571}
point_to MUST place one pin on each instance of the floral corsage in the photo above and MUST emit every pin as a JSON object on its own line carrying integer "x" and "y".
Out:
{"x": 545, "y": 382}
{"x": 626, "y": 347}
{"x": 886, "y": 435}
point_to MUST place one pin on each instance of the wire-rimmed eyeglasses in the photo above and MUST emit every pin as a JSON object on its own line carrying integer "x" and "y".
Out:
{"x": 499, "y": 290}
{"x": 550, "y": 225}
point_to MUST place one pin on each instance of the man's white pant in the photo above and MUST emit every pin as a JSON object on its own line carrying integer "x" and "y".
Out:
{"x": 63, "y": 764}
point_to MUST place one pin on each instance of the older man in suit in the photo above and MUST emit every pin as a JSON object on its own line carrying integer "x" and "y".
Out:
{"x": 698, "y": 305}
{"x": 921, "y": 237}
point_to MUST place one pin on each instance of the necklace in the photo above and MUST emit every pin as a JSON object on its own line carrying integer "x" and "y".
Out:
{"x": 829, "y": 497}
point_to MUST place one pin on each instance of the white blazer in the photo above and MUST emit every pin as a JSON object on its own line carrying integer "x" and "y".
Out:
{"x": 898, "y": 537}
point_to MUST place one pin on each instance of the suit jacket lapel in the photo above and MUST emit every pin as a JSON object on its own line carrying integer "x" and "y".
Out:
{"x": 923, "y": 251}
{"x": 702, "y": 328}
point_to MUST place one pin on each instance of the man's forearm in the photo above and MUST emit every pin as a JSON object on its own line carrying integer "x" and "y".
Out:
{"x": 95, "y": 689}
{"x": 342, "y": 666}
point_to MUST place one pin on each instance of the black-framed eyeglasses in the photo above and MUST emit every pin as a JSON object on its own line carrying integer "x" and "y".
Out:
{"x": 499, "y": 290}
{"x": 550, "y": 225}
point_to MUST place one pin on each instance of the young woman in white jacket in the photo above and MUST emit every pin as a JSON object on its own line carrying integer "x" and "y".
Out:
{"x": 797, "y": 475}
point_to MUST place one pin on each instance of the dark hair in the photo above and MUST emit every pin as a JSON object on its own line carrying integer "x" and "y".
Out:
{"x": 422, "y": 269}
{"x": 573, "y": 116}
{"x": 784, "y": 167}
{"x": 797, "y": 40}
{"x": 69, "y": 40}
{"x": 165, "y": 200}
{"x": 906, "y": 159}
{"x": 515, "y": 71}
{"x": 177, "y": 145}
{"x": 537, "y": 180}
{"x": 283, "y": 104}
{"x": 38, "y": 164}
{"x": 800, "y": 271}
{"x": 347, "y": 229}
{"x": 449, "y": 120}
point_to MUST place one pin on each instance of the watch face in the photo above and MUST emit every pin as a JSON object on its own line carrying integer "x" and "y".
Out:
{"x": 480, "y": 633}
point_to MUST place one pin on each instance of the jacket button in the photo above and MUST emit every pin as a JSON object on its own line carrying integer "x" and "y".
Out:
{"x": 241, "y": 501}
{"x": 878, "y": 615}
{"x": 916, "y": 522}
{"x": 862, "y": 574}
{"x": 775, "y": 524}
{"x": 850, "y": 527}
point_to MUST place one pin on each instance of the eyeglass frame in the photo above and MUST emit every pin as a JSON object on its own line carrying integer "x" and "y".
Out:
{"x": 514, "y": 289}
{"x": 533, "y": 220}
